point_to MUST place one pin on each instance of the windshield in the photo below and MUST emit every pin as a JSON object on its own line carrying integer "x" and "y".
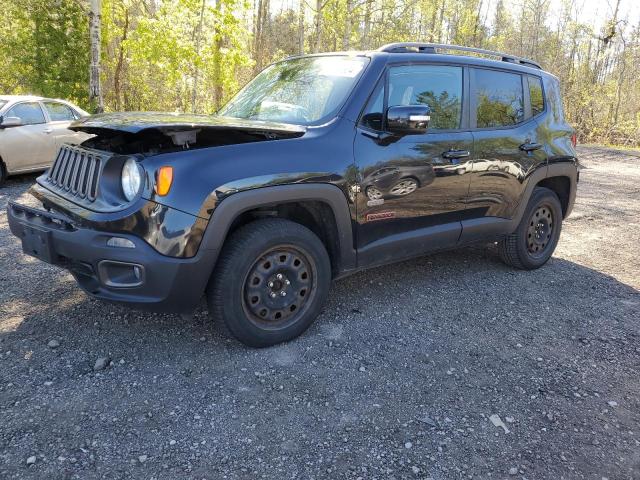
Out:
{"x": 302, "y": 90}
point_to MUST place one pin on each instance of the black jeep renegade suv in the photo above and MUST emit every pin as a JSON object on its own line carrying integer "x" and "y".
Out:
{"x": 321, "y": 166}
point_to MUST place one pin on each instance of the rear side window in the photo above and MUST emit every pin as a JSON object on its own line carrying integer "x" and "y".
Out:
{"x": 535, "y": 94}
{"x": 29, "y": 113}
{"x": 440, "y": 87}
{"x": 58, "y": 111}
{"x": 499, "y": 98}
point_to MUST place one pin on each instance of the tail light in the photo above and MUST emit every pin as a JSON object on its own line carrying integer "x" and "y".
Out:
{"x": 574, "y": 140}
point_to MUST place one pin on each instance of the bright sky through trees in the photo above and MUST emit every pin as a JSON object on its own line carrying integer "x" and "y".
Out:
{"x": 193, "y": 55}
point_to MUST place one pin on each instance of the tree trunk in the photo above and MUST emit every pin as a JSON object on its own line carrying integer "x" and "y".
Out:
{"x": 366, "y": 29}
{"x": 301, "y": 28}
{"x": 346, "y": 39}
{"x": 257, "y": 39}
{"x": 196, "y": 73}
{"x": 217, "y": 67}
{"x": 117, "y": 74}
{"x": 95, "y": 92}
{"x": 440, "y": 22}
{"x": 318, "y": 21}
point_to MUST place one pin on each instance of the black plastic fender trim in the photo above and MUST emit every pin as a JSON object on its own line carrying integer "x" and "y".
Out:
{"x": 236, "y": 204}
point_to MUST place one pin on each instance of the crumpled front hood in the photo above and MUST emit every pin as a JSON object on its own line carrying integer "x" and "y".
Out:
{"x": 134, "y": 122}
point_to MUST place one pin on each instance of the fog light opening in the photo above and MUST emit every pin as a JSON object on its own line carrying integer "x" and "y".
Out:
{"x": 120, "y": 274}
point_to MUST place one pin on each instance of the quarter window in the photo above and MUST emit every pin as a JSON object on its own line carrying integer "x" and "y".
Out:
{"x": 29, "y": 113}
{"x": 440, "y": 87}
{"x": 535, "y": 93}
{"x": 372, "y": 115}
{"x": 499, "y": 98}
{"x": 58, "y": 112}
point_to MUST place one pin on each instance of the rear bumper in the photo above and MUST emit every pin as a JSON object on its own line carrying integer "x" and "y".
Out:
{"x": 139, "y": 277}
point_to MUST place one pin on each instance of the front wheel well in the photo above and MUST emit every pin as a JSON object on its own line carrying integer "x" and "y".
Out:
{"x": 316, "y": 215}
{"x": 561, "y": 186}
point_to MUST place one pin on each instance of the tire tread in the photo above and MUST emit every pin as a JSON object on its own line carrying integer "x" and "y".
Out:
{"x": 509, "y": 247}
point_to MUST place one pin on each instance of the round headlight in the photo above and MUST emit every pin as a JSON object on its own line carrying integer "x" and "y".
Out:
{"x": 131, "y": 179}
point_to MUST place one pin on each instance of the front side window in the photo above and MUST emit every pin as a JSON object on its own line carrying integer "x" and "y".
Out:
{"x": 440, "y": 87}
{"x": 535, "y": 94}
{"x": 302, "y": 91}
{"x": 499, "y": 98}
{"x": 58, "y": 111}
{"x": 29, "y": 113}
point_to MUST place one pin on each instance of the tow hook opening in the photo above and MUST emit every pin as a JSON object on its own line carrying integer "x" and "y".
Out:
{"x": 120, "y": 274}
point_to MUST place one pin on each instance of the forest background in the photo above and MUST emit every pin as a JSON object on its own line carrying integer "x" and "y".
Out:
{"x": 193, "y": 55}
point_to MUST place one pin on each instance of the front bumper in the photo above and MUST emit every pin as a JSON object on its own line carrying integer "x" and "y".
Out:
{"x": 140, "y": 276}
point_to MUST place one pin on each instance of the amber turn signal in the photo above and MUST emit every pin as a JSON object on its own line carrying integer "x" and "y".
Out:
{"x": 164, "y": 177}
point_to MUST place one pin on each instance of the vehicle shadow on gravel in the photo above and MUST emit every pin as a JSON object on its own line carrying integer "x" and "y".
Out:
{"x": 419, "y": 353}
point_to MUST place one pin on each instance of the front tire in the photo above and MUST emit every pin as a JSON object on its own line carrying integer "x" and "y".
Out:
{"x": 270, "y": 283}
{"x": 537, "y": 235}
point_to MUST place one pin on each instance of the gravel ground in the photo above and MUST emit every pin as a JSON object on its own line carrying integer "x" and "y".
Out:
{"x": 445, "y": 367}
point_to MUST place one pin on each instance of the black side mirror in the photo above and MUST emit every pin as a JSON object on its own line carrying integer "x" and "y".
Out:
{"x": 408, "y": 119}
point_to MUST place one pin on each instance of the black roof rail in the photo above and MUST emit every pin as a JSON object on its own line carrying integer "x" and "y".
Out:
{"x": 408, "y": 47}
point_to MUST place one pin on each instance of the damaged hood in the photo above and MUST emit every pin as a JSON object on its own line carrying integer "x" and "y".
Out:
{"x": 135, "y": 122}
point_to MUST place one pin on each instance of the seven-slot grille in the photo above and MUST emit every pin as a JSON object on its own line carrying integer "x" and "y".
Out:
{"x": 77, "y": 171}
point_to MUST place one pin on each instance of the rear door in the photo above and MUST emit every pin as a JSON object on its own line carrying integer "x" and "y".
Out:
{"x": 60, "y": 117}
{"x": 507, "y": 146}
{"x": 29, "y": 145}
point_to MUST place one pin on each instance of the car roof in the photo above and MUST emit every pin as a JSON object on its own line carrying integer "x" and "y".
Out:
{"x": 461, "y": 60}
{"x": 33, "y": 98}
{"x": 11, "y": 99}
{"x": 415, "y": 53}
{"x": 17, "y": 98}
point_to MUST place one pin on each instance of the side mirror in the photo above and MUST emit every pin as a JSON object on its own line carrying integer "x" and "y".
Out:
{"x": 408, "y": 119}
{"x": 10, "y": 122}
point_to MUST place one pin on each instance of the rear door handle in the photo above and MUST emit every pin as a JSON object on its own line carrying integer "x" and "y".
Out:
{"x": 48, "y": 130}
{"x": 452, "y": 154}
{"x": 528, "y": 146}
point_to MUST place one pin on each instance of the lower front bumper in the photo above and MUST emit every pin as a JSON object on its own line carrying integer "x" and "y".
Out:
{"x": 157, "y": 282}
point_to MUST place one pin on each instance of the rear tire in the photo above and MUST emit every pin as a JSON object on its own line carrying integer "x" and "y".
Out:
{"x": 537, "y": 235}
{"x": 270, "y": 283}
{"x": 3, "y": 173}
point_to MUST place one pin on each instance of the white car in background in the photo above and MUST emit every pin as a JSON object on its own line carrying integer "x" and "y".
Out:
{"x": 31, "y": 131}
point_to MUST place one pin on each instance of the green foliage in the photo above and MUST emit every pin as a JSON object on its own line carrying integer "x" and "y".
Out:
{"x": 445, "y": 109}
{"x": 45, "y": 49}
{"x": 193, "y": 55}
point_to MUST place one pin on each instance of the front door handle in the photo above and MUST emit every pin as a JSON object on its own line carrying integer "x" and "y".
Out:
{"x": 453, "y": 154}
{"x": 528, "y": 146}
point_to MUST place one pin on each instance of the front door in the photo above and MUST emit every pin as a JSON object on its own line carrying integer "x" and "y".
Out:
{"x": 29, "y": 145}
{"x": 507, "y": 147}
{"x": 412, "y": 189}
